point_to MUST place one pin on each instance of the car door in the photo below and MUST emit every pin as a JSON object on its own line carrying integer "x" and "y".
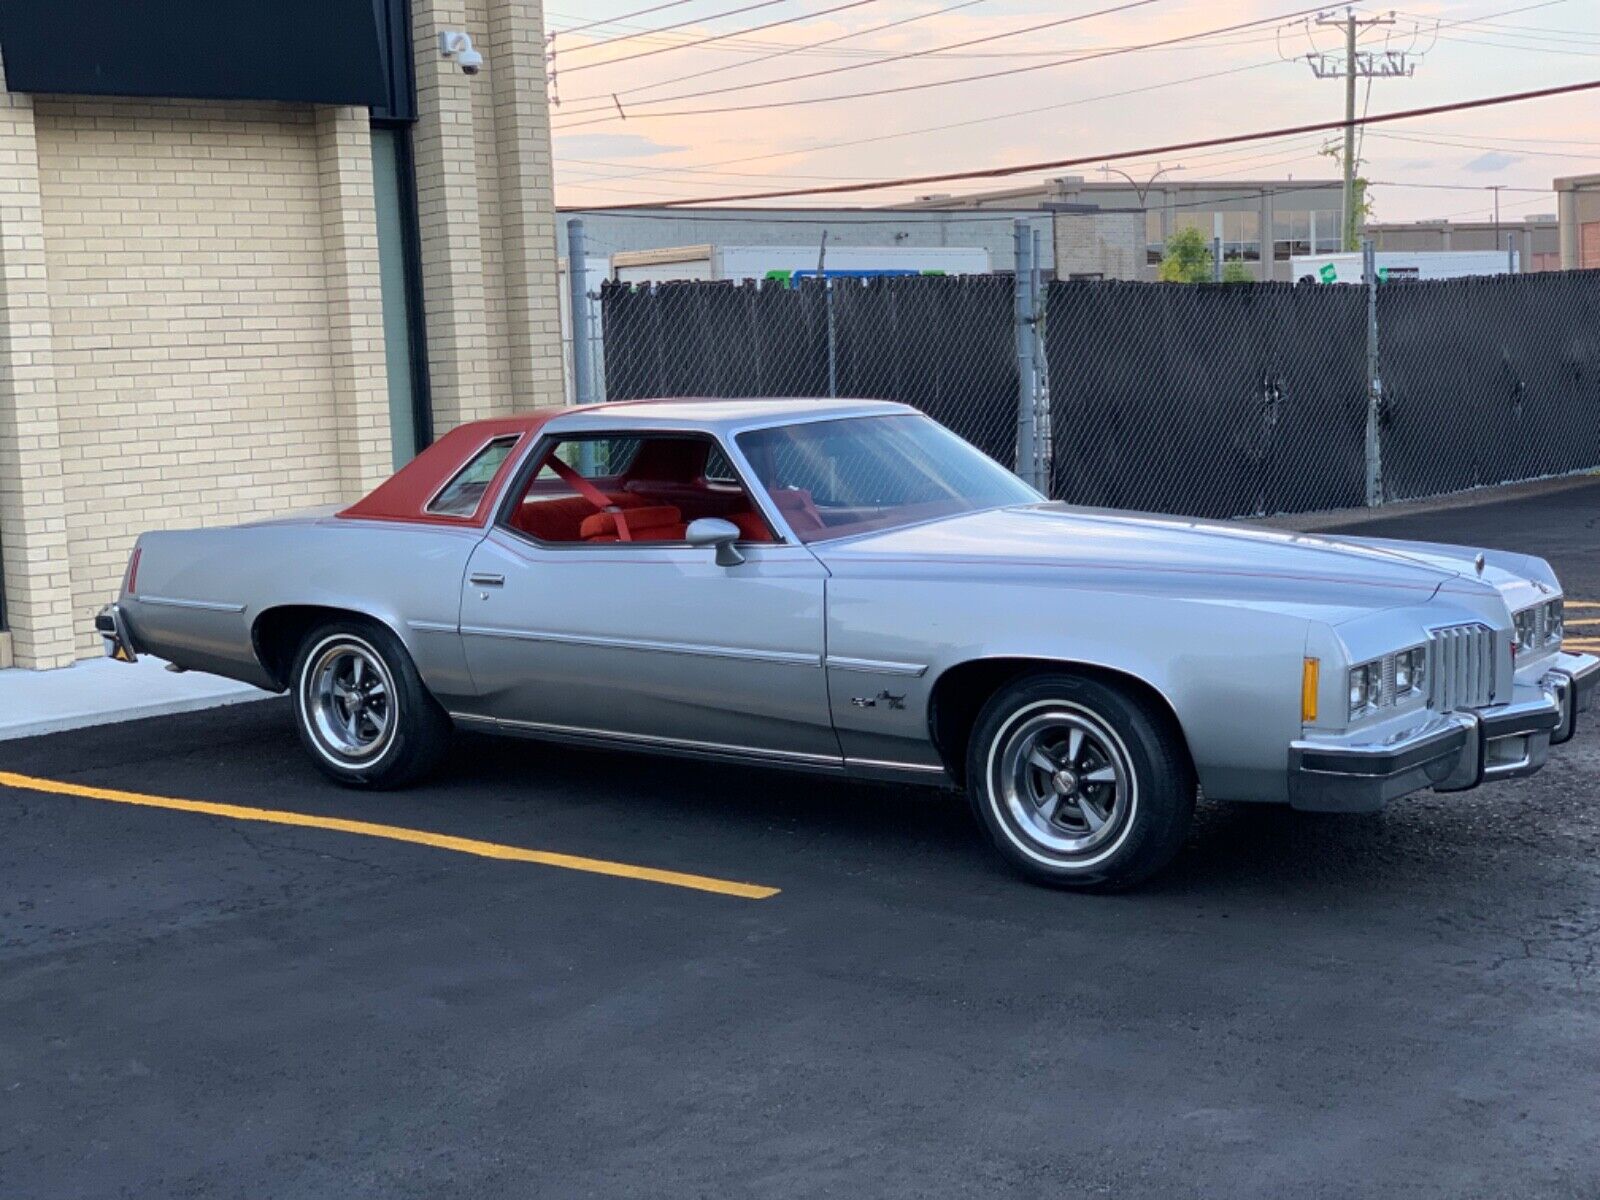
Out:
{"x": 651, "y": 642}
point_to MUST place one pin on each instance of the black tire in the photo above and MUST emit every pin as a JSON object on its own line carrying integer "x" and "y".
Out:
{"x": 1131, "y": 773}
{"x": 325, "y": 683}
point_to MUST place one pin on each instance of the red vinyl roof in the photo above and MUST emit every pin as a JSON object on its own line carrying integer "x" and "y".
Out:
{"x": 404, "y": 495}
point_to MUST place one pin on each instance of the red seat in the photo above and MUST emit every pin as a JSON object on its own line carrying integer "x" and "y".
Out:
{"x": 799, "y": 510}
{"x": 661, "y": 523}
{"x": 560, "y": 518}
{"x": 752, "y": 526}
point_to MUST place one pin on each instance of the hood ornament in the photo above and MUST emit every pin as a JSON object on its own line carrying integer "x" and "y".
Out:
{"x": 1478, "y": 562}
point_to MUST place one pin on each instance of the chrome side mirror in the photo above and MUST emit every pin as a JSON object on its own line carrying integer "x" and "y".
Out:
{"x": 714, "y": 531}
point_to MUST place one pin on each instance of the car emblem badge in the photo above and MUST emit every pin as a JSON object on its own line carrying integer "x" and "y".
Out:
{"x": 887, "y": 698}
{"x": 1478, "y": 562}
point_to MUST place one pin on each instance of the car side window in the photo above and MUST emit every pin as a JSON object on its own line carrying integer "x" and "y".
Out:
{"x": 603, "y": 489}
{"x": 462, "y": 495}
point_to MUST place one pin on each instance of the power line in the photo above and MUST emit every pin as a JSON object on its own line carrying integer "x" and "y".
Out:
{"x": 641, "y": 12}
{"x": 787, "y": 50}
{"x": 1152, "y": 151}
{"x": 913, "y": 87}
{"x": 879, "y": 62}
{"x": 717, "y": 37}
{"x": 949, "y": 125}
{"x": 701, "y": 20}
{"x": 1513, "y": 150}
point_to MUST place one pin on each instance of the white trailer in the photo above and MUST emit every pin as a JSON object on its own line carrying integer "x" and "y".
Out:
{"x": 1405, "y": 264}
{"x": 736, "y": 263}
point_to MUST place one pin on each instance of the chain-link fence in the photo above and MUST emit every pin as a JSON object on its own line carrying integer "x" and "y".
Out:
{"x": 1488, "y": 379}
{"x": 1207, "y": 400}
{"x": 943, "y": 344}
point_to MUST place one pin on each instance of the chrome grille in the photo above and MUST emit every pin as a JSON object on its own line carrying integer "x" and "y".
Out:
{"x": 1460, "y": 667}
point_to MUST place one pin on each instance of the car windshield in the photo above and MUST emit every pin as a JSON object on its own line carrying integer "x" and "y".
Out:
{"x": 834, "y": 478}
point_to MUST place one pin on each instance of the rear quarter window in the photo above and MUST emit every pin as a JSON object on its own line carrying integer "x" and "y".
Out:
{"x": 462, "y": 495}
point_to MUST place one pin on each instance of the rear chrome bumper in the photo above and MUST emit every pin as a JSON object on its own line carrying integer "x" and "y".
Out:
{"x": 1450, "y": 752}
{"x": 112, "y": 627}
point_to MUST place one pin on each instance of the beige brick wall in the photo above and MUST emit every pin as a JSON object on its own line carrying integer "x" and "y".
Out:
{"x": 33, "y": 530}
{"x": 486, "y": 211}
{"x": 188, "y": 251}
{"x": 191, "y": 317}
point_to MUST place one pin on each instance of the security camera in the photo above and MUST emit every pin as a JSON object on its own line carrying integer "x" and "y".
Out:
{"x": 457, "y": 44}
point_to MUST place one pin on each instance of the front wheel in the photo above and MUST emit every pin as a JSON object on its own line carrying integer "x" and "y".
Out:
{"x": 1079, "y": 783}
{"x": 362, "y": 710}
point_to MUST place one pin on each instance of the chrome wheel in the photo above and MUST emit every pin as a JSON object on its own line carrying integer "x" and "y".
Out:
{"x": 1063, "y": 781}
{"x": 347, "y": 697}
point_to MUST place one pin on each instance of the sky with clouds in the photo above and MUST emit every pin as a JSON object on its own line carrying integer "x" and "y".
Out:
{"x": 632, "y": 123}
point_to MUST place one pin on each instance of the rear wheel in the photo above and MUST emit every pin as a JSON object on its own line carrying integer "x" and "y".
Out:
{"x": 362, "y": 710}
{"x": 1079, "y": 783}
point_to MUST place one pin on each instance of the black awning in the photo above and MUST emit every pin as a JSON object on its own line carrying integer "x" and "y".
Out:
{"x": 317, "y": 51}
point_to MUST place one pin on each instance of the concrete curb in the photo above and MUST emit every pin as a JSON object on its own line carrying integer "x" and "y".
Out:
{"x": 102, "y": 692}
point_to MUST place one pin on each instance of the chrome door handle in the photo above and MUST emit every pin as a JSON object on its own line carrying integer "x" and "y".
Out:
{"x": 484, "y": 579}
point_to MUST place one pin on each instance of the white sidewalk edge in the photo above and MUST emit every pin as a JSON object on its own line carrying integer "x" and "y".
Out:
{"x": 101, "y": 692}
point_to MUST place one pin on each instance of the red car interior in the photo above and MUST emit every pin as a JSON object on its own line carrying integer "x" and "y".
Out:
{"x": 653, "y": 500}
{"x": 657, "y": 523}
{"x": 799, "y": 509}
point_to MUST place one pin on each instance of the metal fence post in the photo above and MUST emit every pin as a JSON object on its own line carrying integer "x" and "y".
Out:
{"x": 1374, "y": 444}
{"x": 833, "y": 344}
{"x": 1216, "y": 260}
{"x": 1022, "y": 317}
{"x": 578, "y": 302}
{"x": 1043, "y": 445}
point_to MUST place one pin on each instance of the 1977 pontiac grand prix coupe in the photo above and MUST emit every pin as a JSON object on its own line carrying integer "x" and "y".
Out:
{"x": 845, "y": 586}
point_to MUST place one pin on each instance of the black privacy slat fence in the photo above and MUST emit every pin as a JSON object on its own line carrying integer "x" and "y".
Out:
{"x": 1211, "y": 400}
{"x": 1488, "y": 380}
{"x": 943, "y": 344}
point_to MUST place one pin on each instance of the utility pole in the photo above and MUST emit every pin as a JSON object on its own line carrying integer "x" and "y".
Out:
{"x": 1355, "y": 64}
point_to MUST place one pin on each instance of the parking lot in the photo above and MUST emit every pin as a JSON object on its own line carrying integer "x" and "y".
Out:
{"x": 837, "y": 991}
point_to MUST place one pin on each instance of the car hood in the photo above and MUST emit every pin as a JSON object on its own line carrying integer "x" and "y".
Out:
{"x": 1115, "y": 550}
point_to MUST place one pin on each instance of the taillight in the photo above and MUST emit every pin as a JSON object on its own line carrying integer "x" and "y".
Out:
{"x": 130, "y": 581}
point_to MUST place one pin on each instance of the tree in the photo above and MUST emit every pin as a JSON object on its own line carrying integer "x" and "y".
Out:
{"x": 1187, "y": 258}
{"x": 1234, "y": 271}
{"x": 1351, "y": 238}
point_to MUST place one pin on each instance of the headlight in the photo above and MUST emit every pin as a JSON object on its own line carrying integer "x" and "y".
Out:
{"x": 1539, "y": 626}
{"x": 1385, "y": 682}
{"x": 1360, "y": 683}
{"x": 1527, "y": 623}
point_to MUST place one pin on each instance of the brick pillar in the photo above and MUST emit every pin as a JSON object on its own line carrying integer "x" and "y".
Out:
{"x": 515, "y": 51}
{"x": 447, "y": 212}
{"x": 355, "y": 298}
{"x": 33, "y": 527}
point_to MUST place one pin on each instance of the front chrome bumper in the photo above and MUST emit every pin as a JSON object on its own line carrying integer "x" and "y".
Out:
{"x": 112, "y": 627}
{"x": 1449, "y": 752}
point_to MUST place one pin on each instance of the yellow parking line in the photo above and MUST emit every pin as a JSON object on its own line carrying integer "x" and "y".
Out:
{"x": 1570, "y": 604}
{"x": 397, "y": 833}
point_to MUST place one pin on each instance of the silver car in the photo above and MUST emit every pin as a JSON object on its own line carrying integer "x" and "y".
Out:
{"x": 846, "y": 587}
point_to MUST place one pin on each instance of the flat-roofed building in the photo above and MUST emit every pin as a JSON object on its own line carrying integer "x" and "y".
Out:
{"x": 1256, "y": 220}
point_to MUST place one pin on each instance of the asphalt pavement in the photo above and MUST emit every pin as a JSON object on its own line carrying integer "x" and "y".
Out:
{"x": 198, "y": 1005}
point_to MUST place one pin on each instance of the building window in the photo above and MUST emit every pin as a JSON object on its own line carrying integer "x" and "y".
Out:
{"x": 400, "y": 278}
{"x": 1329, "y": 238}
{"x": 1291, "y": 233}
{"x": 1241, "y": 234}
